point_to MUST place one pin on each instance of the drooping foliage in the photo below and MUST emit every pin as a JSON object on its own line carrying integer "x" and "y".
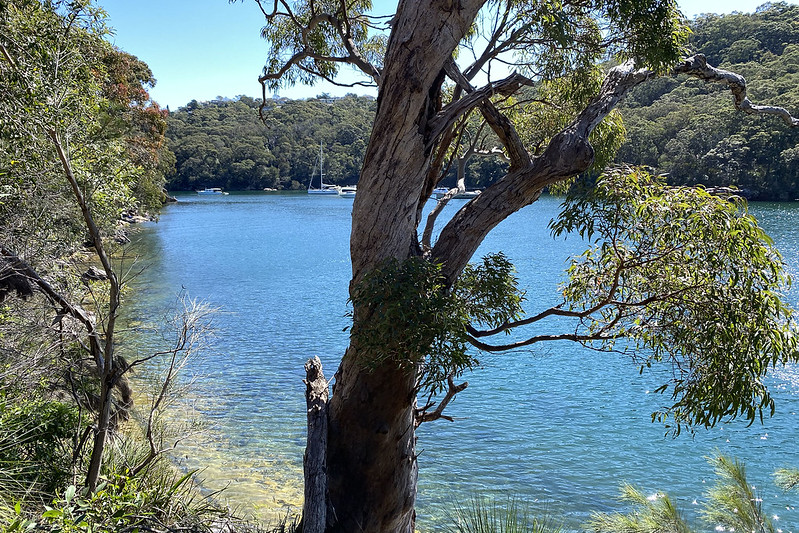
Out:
{"x": 420, "y": 323}
{"x": 323, "y": 21}
{"x": 689, "y": 279}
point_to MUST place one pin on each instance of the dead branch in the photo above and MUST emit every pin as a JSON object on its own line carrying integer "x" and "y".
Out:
{"x": 191, "y": 329}
{"x": 696, "y": 66}
{"x": 314, "y": 512}
{"x": 422, "y": 415}
{"x": 108, "y": 374}
{"x": 18, "y": 265}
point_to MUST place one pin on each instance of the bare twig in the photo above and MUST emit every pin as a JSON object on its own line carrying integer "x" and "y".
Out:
{"x": 422, "y": 415}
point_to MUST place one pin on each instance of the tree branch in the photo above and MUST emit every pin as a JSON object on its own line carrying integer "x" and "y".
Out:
{"x": 421, "y": 415}
{"x": 343, "y": 29}
{"x": 567, "y": 154}
{"x": 97, "y": 241}
{"x": 538, "y": 338}
{"x": 18, "y": 265}
{"x": 474, "y": 97}
{"x": 517, "y": 154}
{"x": 696, "y": 66}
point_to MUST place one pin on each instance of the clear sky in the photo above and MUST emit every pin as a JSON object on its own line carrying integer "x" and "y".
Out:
{"x": 202, "y": 49}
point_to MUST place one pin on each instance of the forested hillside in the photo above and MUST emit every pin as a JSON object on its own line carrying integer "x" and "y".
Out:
{"x": 688, "y": 129}
{"x": 678, "y": 126}
{"x": 224, "y": 143}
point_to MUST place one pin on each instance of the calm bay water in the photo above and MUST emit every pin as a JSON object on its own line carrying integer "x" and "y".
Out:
{"x": 559, "y": 426}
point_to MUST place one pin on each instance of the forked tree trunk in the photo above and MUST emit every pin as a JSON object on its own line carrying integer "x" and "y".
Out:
{"x": 371, "y": 461}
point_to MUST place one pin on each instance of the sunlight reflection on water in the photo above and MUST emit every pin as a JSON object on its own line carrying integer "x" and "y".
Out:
{"x": 561, "y": 427}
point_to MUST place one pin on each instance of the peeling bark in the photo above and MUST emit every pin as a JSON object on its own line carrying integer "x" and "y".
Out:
{"x": 696, "y": 66}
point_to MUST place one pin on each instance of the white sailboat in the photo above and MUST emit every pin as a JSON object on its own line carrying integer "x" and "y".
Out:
{"x": 324, "y": 188}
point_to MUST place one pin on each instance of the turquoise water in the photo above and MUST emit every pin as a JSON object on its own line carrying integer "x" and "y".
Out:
{"x": 558, "y": 426}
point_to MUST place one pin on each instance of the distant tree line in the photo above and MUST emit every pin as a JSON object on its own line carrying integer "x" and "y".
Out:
{"x": 224, "y": 143}
{"x": 684, "y": 128}
{"x": 678, "y": 126}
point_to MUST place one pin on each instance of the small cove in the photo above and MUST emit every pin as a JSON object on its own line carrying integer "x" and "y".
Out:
{"x": 560, "y": 426}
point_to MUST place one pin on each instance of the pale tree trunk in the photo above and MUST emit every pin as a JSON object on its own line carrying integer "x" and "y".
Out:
{"x": 371, "y": 458}
{"x": 104, "y": 358}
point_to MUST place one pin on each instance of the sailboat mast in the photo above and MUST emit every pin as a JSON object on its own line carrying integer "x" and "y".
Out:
{"x": 321, "y": 168}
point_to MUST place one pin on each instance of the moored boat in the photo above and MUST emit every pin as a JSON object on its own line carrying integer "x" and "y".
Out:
{"x": 440, "y": 192}
{"x": 324, "y": 188}
{"x": 211, "y": 190}
{"x": 347, "y": 191}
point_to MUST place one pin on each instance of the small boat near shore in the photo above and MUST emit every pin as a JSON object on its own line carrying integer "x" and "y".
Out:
{"x": 440, "y": 192}
{"x": 348, "y": 191}
{"x": 212, "y": 190}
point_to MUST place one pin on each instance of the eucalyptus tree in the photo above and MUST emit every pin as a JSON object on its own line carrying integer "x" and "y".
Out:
{"x": 81, "y": 145}
{"x": 418, "y": 306}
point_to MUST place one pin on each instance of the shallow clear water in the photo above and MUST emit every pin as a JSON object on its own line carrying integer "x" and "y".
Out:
{"x": 559, "y": 426}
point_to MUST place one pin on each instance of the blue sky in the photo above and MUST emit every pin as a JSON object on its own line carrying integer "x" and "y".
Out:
{"x": 202, "y": 49}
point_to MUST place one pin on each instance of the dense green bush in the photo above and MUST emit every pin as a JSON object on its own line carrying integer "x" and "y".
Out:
{"x": 36, "y": 442}
{"x": 224, "y": 143}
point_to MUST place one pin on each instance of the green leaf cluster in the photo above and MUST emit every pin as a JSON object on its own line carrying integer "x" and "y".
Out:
{"x": 406, "y": 312}
{"x": 35, "y": 444}
{"x": 311, "y": 35}
{"x": 731, "y": 504}
{"x": 691, "y": 280}
{"x": 650, "y": 515}
{"x": 60, "y": 76}
{"x": 121, "y": 503}
{"x": 486, "y": 516}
